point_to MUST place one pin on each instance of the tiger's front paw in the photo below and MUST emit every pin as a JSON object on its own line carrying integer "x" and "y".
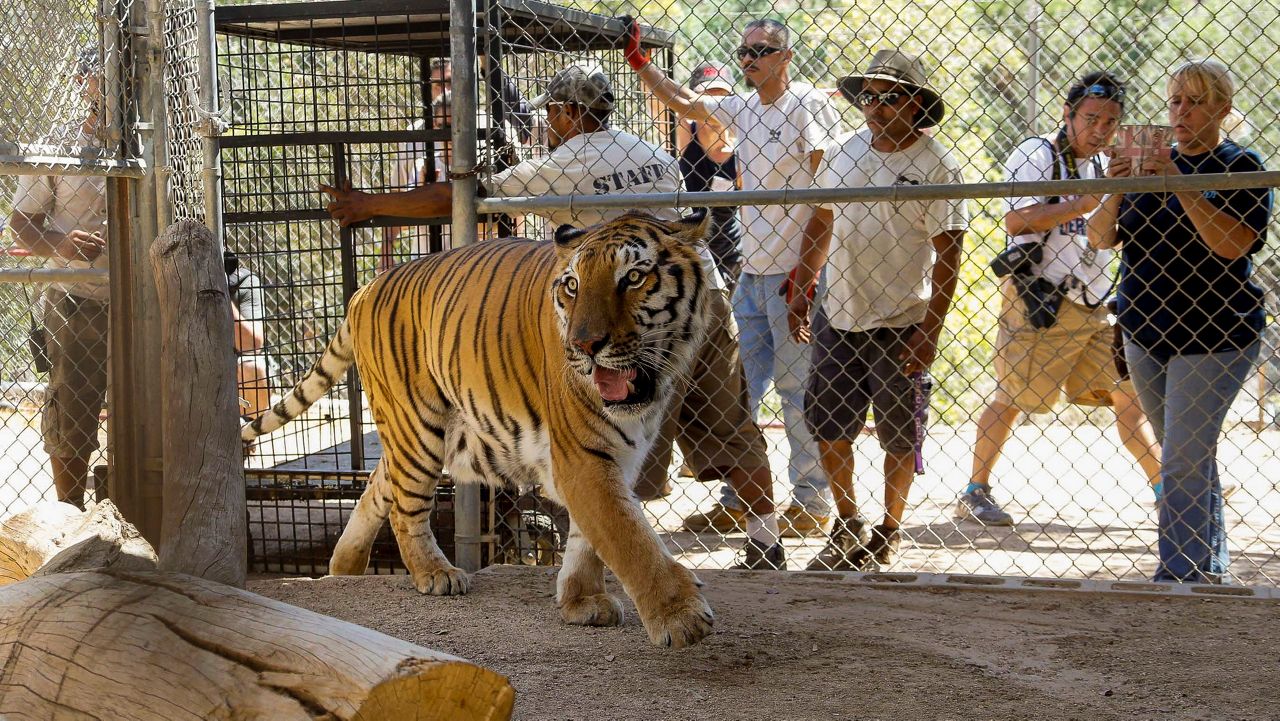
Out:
{"x": 443, "y": 581}
{"x": 599, "y": 609}
{"x": 682, "y": 623}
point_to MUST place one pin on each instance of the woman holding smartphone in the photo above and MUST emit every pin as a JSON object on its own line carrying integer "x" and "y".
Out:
{"x": 1191, "y": 314}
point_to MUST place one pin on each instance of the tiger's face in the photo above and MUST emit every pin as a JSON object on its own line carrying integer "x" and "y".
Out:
{"x": 631, "y": 304}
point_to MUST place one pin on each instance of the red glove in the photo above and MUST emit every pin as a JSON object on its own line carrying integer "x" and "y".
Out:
{"x": 789, "y": 284}
{"x": 636, "y": 57}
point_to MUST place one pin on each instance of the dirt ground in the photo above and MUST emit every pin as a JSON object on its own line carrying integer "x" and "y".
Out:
{"x": 817, "y": 646}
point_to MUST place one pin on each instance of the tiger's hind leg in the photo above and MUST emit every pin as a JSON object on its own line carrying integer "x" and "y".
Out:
{"x": 580, "y": 592}
{"x": 351, "y": 555}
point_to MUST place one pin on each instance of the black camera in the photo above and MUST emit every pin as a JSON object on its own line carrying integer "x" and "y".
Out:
{"x": 1040, "y": 298}
{"x": 1018, "y": 259}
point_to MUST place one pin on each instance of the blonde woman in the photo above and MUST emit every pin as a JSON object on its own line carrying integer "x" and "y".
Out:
{"x": 1190, "y": 311}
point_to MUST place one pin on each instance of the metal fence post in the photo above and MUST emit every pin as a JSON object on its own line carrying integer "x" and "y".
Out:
{"x": 211, "y": 123}
{"x": 467, "y": 507}
{"x": 1032, "y": 117}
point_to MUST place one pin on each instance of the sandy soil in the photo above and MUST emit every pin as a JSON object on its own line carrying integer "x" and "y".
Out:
{"x": 815, "y": 646}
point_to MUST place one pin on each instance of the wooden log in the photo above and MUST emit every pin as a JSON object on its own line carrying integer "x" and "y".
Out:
{"x": 53, "y": 537}
{"x": 204, "y": 528}
{"x": 172, "y": 647}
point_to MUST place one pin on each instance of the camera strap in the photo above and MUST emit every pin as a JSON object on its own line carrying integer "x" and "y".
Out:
{"x": 1063, "y": 155}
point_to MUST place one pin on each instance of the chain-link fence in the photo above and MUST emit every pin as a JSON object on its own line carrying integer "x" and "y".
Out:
{"x": 960, "y": 435}
{"x": 64, "y": 103}
{"x": 930, "y": 424}
{"x": 1036, "y": 451}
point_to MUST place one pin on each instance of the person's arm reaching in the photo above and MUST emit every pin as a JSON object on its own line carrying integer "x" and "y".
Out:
{"x": 683, "y": 101}
{"x": 347, "y": 206}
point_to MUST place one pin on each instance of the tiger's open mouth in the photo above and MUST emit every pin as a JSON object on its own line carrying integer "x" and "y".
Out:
{"x": 629, "y": 386}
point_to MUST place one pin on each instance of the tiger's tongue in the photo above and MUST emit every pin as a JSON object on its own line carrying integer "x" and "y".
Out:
{"x": 612, "y": 383}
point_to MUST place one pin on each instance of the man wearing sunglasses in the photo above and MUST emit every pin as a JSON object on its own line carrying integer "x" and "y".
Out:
{"x": 1041, "y": 358}
{"x": 891, "y": 270}
{"x": 782, "y": 128}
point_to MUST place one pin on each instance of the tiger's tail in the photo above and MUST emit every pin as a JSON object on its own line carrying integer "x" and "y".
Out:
{"x": 328, "y": 369}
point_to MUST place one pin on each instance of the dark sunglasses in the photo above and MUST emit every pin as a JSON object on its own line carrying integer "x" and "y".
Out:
{"x": 866, "y": 100}
{"x": 756, "y": 52}
{"x": 1098, "y": 90}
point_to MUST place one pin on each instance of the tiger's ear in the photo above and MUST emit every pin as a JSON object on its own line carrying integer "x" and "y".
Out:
{"x": 693, "y": 227}
{"x": 568, "y": 236}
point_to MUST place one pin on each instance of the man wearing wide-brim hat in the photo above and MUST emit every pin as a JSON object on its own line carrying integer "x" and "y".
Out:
{"x": 905, "y": 71}
{"x": 891, "y": 273}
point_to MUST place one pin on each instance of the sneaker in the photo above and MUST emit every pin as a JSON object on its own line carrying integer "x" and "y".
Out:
{"x": 797, "y": 522}
{"x": 755, "y": 557}
{"x": 721, "y": 519}
{"x": 848, "y": 538}
{"x": 979, "y": 506}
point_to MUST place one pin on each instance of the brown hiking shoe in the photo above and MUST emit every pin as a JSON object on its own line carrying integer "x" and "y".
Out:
{"x": 880, "y": 551}
{"x": 846, "y": 550}
{"x": 796, "y": 522}
{"x": 720, "y": 519}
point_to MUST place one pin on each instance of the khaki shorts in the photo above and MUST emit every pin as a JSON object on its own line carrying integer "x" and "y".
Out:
{"x": 709, "y": 417}
{"x": 77, "y": 332}
{"x": 1034, "y": 368}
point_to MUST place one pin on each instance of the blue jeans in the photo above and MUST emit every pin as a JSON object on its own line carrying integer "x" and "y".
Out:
{"x": 769, "y": 353}
{"x": 1186, "y": 398}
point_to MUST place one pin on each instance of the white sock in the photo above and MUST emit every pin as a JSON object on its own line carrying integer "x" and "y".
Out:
{"x": 763, "y": 528}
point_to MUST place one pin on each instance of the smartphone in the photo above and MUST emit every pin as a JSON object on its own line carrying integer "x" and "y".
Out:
{"x": 1140, "y": 142}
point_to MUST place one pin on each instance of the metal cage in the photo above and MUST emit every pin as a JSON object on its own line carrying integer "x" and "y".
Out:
{"x": 328, "y": 93}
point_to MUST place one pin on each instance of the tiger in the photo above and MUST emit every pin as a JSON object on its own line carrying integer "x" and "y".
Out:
{"x": 528, "y": 363}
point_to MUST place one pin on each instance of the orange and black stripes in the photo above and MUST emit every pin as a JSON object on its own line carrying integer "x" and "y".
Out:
{"x": 464, "y": 359}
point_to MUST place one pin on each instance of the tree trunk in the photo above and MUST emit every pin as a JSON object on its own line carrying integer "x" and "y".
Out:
{"x": 53, "y": 537}
{"x": 204, "y": 528}
{"x": 153, "y": 645}
{"x": 117, "y": 642}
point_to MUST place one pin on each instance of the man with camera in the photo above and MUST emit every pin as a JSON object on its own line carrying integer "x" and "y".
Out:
{"x": 1054, "y": 336}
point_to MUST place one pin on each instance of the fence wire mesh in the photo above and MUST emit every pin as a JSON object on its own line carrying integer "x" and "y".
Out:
{"x": 903, "y": 94}
{"x": 333, "y": 92}
{"x": 188, "y": 118}
{"x": 972, "y": 483}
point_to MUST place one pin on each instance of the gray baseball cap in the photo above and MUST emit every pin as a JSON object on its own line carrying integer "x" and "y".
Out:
{"x": 585, "y": 85}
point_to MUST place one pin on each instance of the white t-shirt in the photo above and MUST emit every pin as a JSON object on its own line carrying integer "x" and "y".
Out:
{"x": 1066, "y": 250}
{"x": 881, "y": 253}
{"x": 606, "y": 162}
{"x": 69, "y": 202}
{"x": 775, "y": 142}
